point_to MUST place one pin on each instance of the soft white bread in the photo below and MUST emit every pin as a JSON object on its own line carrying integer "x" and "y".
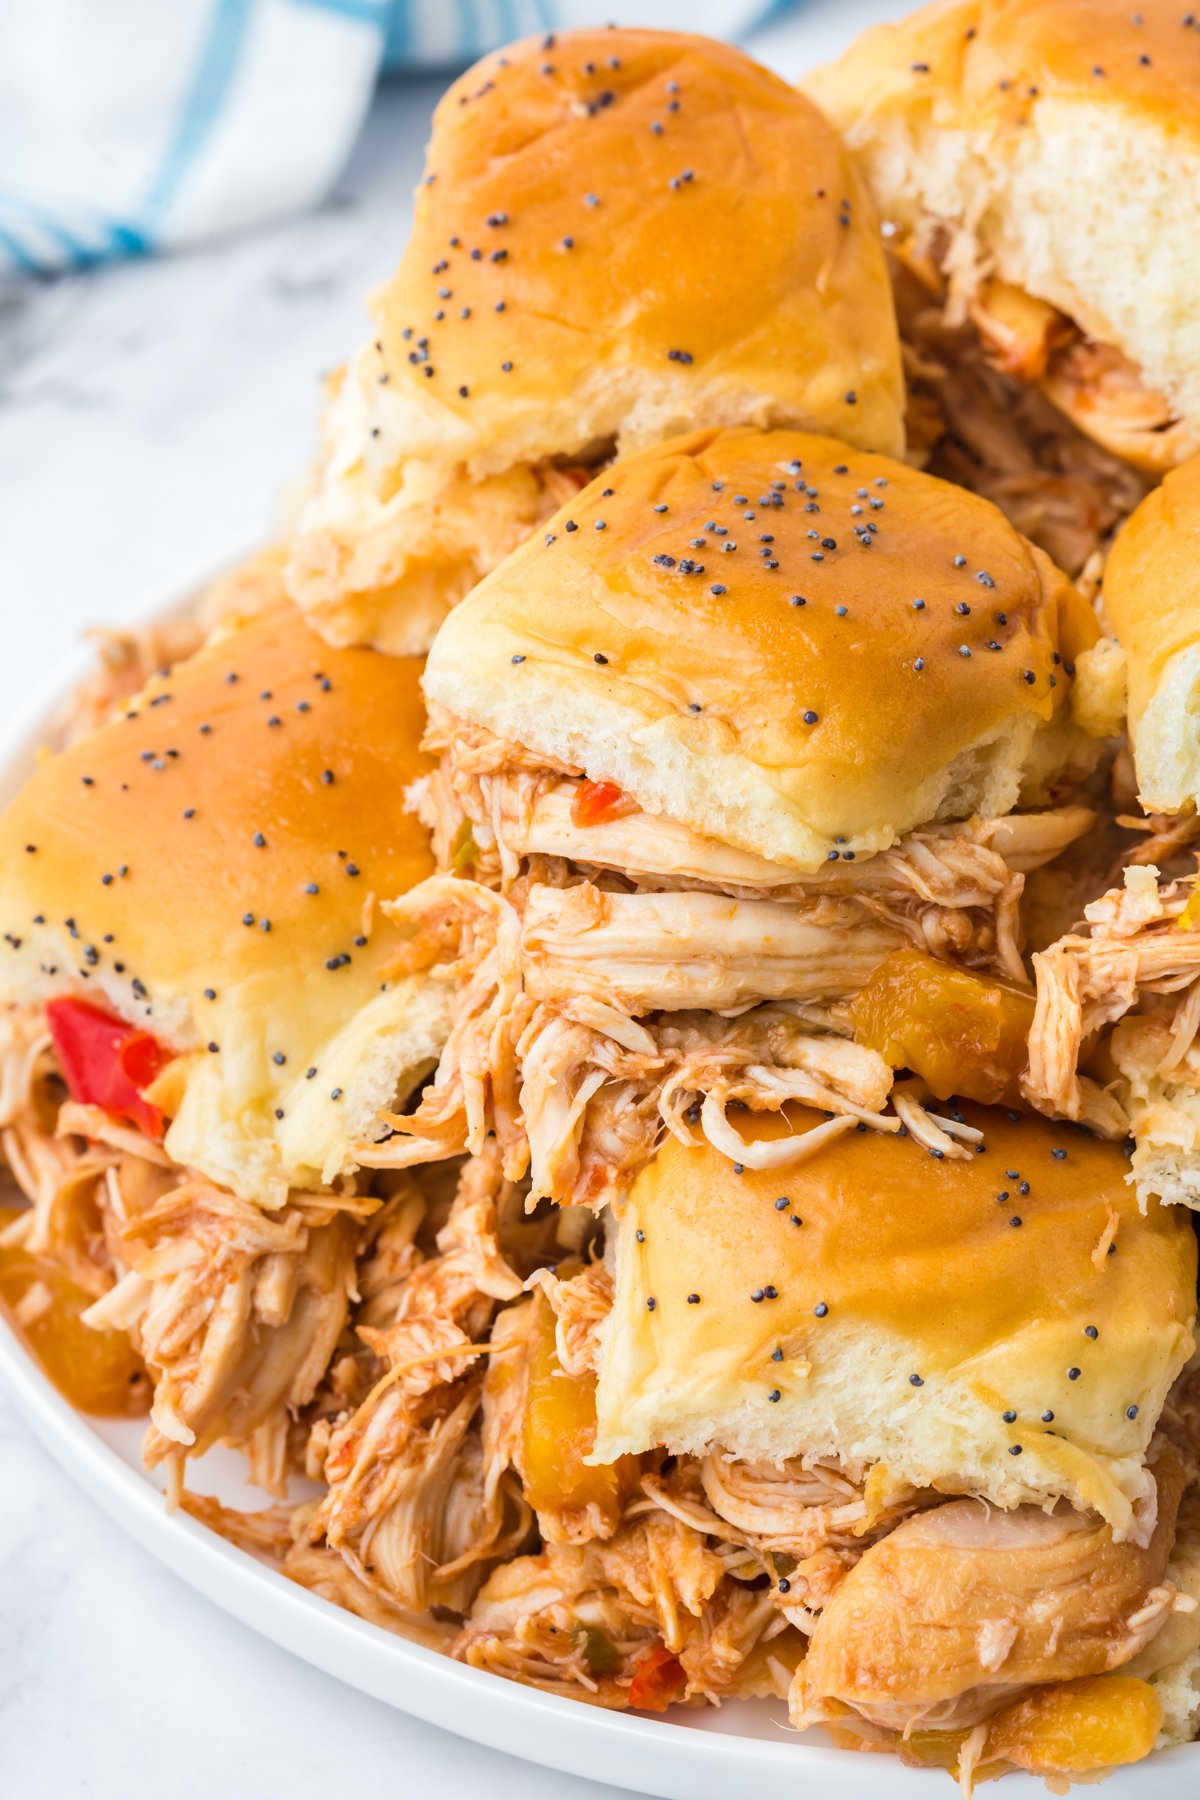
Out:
{"x": 1058, "y": 141}
{"x": 207, "y": 867}
{"x": 785, "y": 644}
{"x": 1152, "y": 599}
{"x": 619, "y": 236}
{"x": 879, "y": 1305}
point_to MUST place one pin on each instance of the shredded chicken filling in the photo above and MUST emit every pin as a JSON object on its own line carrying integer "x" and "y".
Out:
{"x": 1114, "y": 1038}
{"x": 392, "y": 1346}
{"x": 977, "y": 415}
{"x": 626, "y": 977}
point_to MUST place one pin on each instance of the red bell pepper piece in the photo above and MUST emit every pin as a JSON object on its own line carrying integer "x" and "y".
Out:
{"x": 658, "y": 1681}
{"x": 596, "y": 802}
{"x": 106, "y": 1063}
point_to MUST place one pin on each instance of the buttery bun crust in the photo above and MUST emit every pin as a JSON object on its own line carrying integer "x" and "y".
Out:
{"x": 725, "y": 267}
{"x": 904, "y": 1266}
{"x": 619, "y": 237}
{"x": 1152, "y": 598}
{"x": 1060, "y": 142}
{"x": 198, "y": 864}
{"x": 781, "y": 642}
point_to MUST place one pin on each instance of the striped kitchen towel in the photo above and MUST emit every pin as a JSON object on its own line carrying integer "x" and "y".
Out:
{"x": 128, "y": 126}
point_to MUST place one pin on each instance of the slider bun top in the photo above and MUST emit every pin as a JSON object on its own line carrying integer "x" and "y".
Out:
{"x": 1060, "y": 141}
{"x": 1152, "y": 599}
{"x": 140, "y": 870}
{"x": 646, "y": 229}
{"x": 940, "y": 1314}
{"x": 874, "y": 650}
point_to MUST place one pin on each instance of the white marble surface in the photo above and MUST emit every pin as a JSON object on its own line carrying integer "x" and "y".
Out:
{"x": 149, "y": 416}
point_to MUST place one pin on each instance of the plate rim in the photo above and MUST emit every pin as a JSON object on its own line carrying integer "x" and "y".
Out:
{"x": 640, "y": 1755}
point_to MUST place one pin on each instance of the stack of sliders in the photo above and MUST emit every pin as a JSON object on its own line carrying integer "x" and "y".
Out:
{"x": 627, "y": 1006}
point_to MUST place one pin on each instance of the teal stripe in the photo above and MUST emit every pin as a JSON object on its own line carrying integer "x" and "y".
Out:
{"x": 77, "y": 253}
{"x": 127, "y": 240}
{"x": 120, "y": 237}
{"x": 18, "y": 254}
{"x": 775, "y": 9}
{"x": 398, "y": 43}
{"x": 202, "y": 108}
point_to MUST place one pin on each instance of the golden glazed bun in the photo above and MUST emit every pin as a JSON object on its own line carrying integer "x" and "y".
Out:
{"x": 1152, "y": 598}
{"x": 1059, "y": 140}
{"x": 780, "y": 642}
{"x": 620, "y": 235}
{"x": 207, "y": 866}
{"x": 915, "y": 1303}
{"x": 736, "y": 237}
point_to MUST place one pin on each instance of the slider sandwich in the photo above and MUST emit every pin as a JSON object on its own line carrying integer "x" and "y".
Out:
{"x": 753, "y": 714}
{"x": 1118, "y": 1008}
{"x": 1037, "y": 162}
{"x": 916, "y": 1429}
{"x": 200, "y": 1017}
{"x": 620, "y": 235}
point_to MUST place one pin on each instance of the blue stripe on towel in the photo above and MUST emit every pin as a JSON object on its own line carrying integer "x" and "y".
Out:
{"x": 82, "y": 235}
{"x": 17, "y": 254}
{"x": 774, "y": 9}
{"x": 127, "y": 240}
{"x": 39, "y": 227}
{"x": 201, "y": 108}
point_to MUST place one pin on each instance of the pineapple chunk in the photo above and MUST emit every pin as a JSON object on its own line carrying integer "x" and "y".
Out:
{"x": 1077, "y": 1727}
{"x": 560, "y": 1431}
{"x": 1097, "y": 1722}
{"x": 962, "y": 1033}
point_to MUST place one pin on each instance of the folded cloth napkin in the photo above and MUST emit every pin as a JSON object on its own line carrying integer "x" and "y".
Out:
{"x": 132, "y": 125}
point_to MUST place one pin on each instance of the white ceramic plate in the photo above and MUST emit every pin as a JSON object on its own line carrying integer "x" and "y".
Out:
{"x": 698, "y": 1755}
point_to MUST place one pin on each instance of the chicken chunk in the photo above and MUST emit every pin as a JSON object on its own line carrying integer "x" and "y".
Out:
{"x": 960, "y": 1609}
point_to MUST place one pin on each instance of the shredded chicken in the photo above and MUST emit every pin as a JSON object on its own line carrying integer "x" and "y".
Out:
{"x": 583, "y": 1620}
{"x": 946, "y": 865}
{"x": 577, "y": 1089}
{"x": 976, "y": 418}
{"x": 420, "y": 1497}
{"x": 580, "y": 1304}
{"x": 627, "y": 976}
{"x": 1140, "y": 965}
{"x": 234, "y": 1311}
{"x": 961, "y": 1608}
{"x": 954, "y": 889}
{"x": 1103, "y": 393}
{"x": 710, "y": 1575}
{"x": 579, "y": 1094}
{"x": 671, "y": 951}
{"x": 385, "y": 544}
